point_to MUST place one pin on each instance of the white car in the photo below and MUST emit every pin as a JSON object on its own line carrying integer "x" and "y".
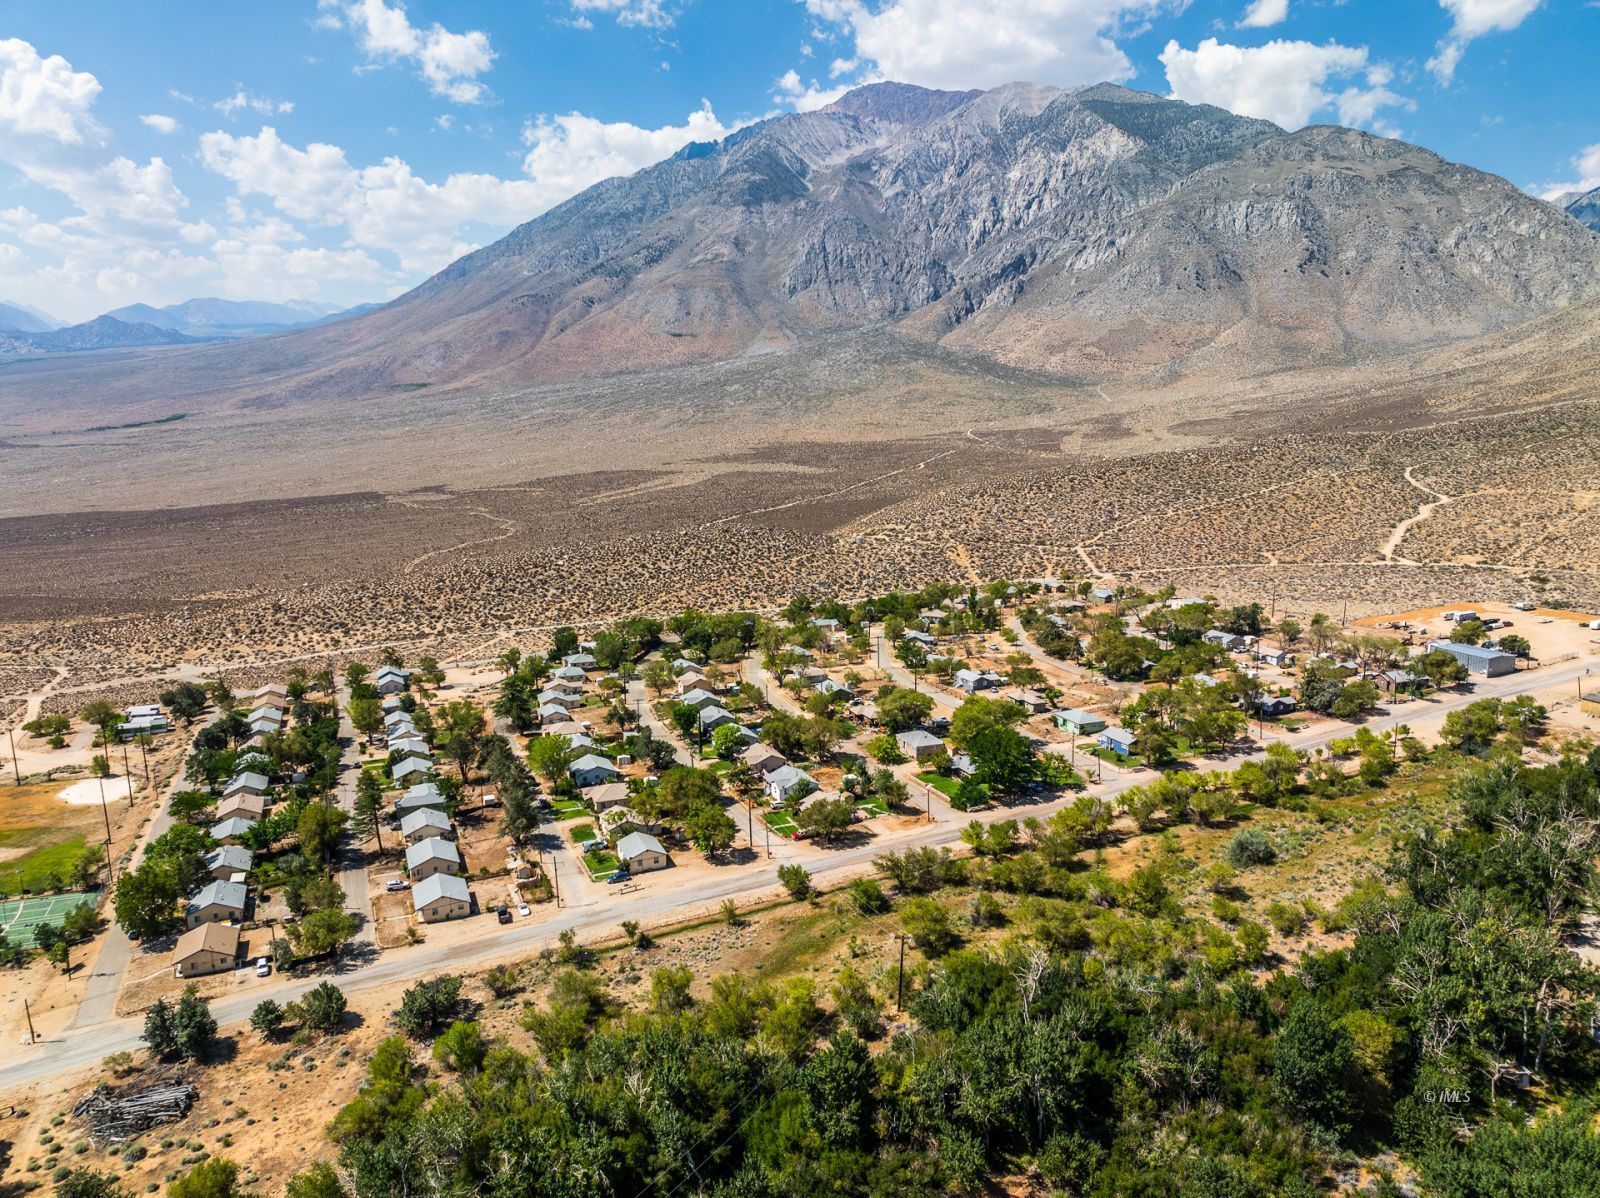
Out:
{"x": 522, "y": 909}
{"x": 397, "y": 884}
{"x": 263, "y": 967}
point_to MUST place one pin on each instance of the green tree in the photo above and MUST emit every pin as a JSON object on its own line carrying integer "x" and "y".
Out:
{"x": 549, "y": 757}
{"x": 669, "y": 990}
{"x": 1001, "y": 759}
{"x": 366, "y": 714}
{"x": 826, "y": 819}
{"x": 314, "y": 1181}
{"x": 1312, "y": 1056}
{"x": 216, "y": 1177}
{"x": 428, "y": 1005}
{"x": 267, "y": 1018}
{"x": 322, "y": 1008}
{"x": 146, "y": 900}
{"x": 709, "y": 828}
{"x": 89, "y": 1183}
{"x": 194, "y": 1028}
{"x": 318, "y": 830}
{"x": 978, "y": 715}
{"x": 901, "y": 709}
{"x": 160, "y": 1032}
{"x": 461, "y": 1048}
{"x": 324, "y": 931}
{"x": 795, "y": 880}
{"x": 459, "y": 732}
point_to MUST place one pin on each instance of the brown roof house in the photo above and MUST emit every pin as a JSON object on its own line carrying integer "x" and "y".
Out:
{"x": 209, "y": 948}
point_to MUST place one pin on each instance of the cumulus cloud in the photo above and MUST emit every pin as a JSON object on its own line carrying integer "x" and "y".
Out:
{"x": 1472, "y": 19}
{"x": 449, "y": 62}
{"x": 1586, "y": 167}
{"x": 1287, "y": 82}
{"x": 568, "y": 153}
{"x": 646, "y": 14}
{"x": 984, "y": 43}
{"x": 808, "y": 96}
{"x": 161, "y": 124}
{"x": 243, "y": 101}
{"x": 45, "y": 97}
{"x": 1263, "y": 14}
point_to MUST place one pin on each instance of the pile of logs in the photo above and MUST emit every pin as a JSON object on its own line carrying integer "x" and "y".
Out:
{"x": 114, "y": 1116}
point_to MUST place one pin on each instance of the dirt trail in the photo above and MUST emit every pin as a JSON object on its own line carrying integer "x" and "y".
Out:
{"x": 1391, "y": 546}
{"x": 761, "y": 511}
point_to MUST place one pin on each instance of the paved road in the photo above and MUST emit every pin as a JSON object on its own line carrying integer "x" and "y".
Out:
{"x": 351, "y": 861}
{"x": 601, "y": 913}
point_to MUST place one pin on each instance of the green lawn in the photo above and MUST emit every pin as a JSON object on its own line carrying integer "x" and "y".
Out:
{"x": 945, "y": 786}
{"x": 584, "y": 833}
{"x": 875, "y": 806}
{"x": 780, "y": 822}
{"x": 600, "y": 864}
{"x": 720, "y": 767}
{"x": 33, "y": 870}
{"x": 569, "y": 809}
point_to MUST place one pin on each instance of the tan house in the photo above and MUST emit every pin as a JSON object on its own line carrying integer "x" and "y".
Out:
{"x": 242, "y": 806}
{"x": 641, "y": 853}
{"x": 441, "y": 897}
{"x": 435, "y": 855}
{"x": 763, "y": 759}
{"x": 209, "y": 948}
{"x": 604, "y": 797}
{"x": 217, "y": 902}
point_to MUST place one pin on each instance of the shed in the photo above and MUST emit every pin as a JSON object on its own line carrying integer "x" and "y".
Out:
{"x": 440, "y": 897}
{"x": 1478, "y": 659}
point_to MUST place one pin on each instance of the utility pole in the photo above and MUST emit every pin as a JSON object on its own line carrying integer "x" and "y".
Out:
{"x": 900, "y": 975}
{"x": 127, "y": 772}
{"x": 15, "y": 768}
{"x": 105, "y": 811}
{"x": 555, "y": 879}
{"x": 28, "y": 1015}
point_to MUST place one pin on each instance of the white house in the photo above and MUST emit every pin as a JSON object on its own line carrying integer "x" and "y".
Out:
{"x": 418, "y": 797}
{"x": 440, "y": 897}
{"x": 433, "y": 855}
{"x": 787, "y": 784}
{"x": 391, "y": 680}
{"x": 642, "y": 852}
{"x": 592, "y": 770}
{"x": 583, "y": 661}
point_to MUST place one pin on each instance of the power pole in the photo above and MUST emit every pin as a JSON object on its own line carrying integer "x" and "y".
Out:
{"x": 127, "y": 772}
{"x": 15, "y": 768}
{"x": 28, "y": 1015}
{"x": 105, "y": 811}
{"x": 555, "y": 879}
{"x": 900, "y": 975}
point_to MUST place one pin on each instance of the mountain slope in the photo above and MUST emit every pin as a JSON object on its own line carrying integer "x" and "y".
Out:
{"x": 16, "y": 319}
{"x": 1096, "y": 233}
{"x": 220, "y": 315}
{"x": 106, "y": 332}
{"x": 1584, "y": 207}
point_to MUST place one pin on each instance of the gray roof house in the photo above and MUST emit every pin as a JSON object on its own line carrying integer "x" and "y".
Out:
{"x": 572, "y": 672}
{"x": 977, "y": 680}
{"x": 412, "y": 746}
{"x": 246, "y": 783}
{"x": 642, "y": 852}
{"x": 607, "y": 795}
{"x": 1479, "y": 659}
{"x": 712, "y": 718}
{"x": 919, "y": 743}
{"x": 829, "y": 687}
{"x": 226, "y": 862}
{"x": 423, "y": 794}
{"x": 699, "y": 697}
{"x": 1079, "y": 722}
{"x": 920, "y": 638}
{"x": 591, "y": 770}
{"x": 412, "y": 769}
{"x": 584, "y": 661}
{"x": 561, "y": 697}
{"x": 1117, "y": 740}
{"x": 216, "y": 902}
{"x": 787, "y": 783}
{"x": 441, "y": 896}
{"x": 391, "y": 680}
{"x": 229, "y": 830}
{"x": 423, "y": 823}
{"x": 433, "y": 855}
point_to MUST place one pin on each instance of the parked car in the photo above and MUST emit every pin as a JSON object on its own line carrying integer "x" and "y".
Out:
{"x": 620, "y": 875}
{"x": 398, "y": 884}
{"x": 504, "y": 913}
{"x": 522, "y": 909}
{"x": 263, "y": 967}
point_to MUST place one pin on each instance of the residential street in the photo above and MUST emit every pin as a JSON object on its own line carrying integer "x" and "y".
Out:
{"x": 597, "y": 910}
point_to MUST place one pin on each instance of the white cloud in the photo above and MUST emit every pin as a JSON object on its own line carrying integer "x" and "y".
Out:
{"x": 45, "y": 97}
{"x": 808, "y": 96}
{"x": 1282, "y": 81}
{"x": 449, "y": 62}
{"x": 161, "y": 124}
{"x": 242, "y": 101}
{"x": 1263, "y": 14}
{"x": 1472, "y": 19}
{"x": 646, "y": 14}
{"x": 571, "y": 152}
{"x": 1586, "y": 166}
{"x": 984, "y": 43}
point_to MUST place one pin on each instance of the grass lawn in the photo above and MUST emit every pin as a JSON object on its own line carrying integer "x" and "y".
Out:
{"x": 33, "y": 870}
{"x": 569, "y": 809}
{"x": 945, "y": 786}
{"x": 780, "y": 822}
{"x": 876, "y": 806}
{"x": 600, "y": 864}
{"x": 1131, "y": 762}
{"x": 719, "y": 766}
{"x": 584, "y": 833}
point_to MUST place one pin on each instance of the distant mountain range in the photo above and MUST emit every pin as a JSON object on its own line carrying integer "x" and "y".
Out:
{"x": 1584, "y": 207}
{"x": 191, "y": 322}
{"x": 1093, "y": 234}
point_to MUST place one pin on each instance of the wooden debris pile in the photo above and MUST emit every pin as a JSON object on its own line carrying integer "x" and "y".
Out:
{"x": 113, "y": 1116}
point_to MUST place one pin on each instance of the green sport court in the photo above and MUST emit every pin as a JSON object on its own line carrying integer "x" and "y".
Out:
{"x": 20, "y": 918}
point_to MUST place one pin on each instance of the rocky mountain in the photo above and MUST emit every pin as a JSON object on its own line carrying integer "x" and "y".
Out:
{"x": 14, "y": 318}
{"x": 1584, "y": 207}
{"x": 214, "y": 317}
{"x": 1097, "y": 234}
{"x": 106, "y": 332}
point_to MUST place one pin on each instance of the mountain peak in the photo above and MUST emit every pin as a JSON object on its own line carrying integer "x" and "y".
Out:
{"x": 899, "y": 103}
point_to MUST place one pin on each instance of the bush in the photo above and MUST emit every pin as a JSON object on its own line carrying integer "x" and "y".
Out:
{"x": 1249, "y": 846}
{"x": 429, "y": 1005}
{"x": 867, "y": 896}
{"x": 795, "y": 880}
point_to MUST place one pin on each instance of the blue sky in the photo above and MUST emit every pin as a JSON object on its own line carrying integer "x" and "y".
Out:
{"x": 341, "y": 150}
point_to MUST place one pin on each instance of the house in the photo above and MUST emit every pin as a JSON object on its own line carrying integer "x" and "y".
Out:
{"x": 691, "y": 679}
{"x": 568, "y": 728}
{"x": 229, "y": 831}
{"x": 961, "y": 765}
{"x": 1206, "y": 680}
{"x": 392, "y": 703}
{"x": 1273, "y": 706}
{"x": 440, "y": 897}
{"x": 391, "y": 680}
{"x": 553, "y": 713}
{"x": 583, "y": 661}
{"x": 228, "y": 863}
{"x": 682, "y": 664}
{"x": 565, "y": 686}
{"x": 787, "y": 784}
{"x": 932, "y": 615}
{"x": 143, "y": 718}
{"x": 274, "y": 693}
{"x": 216, "y": 902}
{"x": 412, "y": 770}
{"x": 1031, "y": 699}
{"x": 591, "y": 770}
{"x": 242, "y": 806}
{"x": 977, "y": 680}
{"x": 1079, "y": 722}
{"x": 432, "y": 855}
{"x": 1116, "y": 740}
{"x": 642, "y": 852}
{"x": 920, "y": 638}
{"x": 619, "y": 821}
{"x": 563, "y": 698}
{"x": 829, "y": 687}
{"x": 919, "y": 744}
{"x": 205, "y": 949}
{"x": 1402, "y": 682}
{"x": 420, "y": 797}
{"x": 763, "y": 759}
{"x": 249, "y": 783}
{"x": 1231, "y": 641}
{"x": 1479, "y": 659}
{"x": 572, "y": 673}
{"x": 712, "y": 718}
{"x": 1102, "y": 594}
{"x": 424, "y": 822}
{"x": 1275, "y": 657}
{"x": 261, "y": 725}
{"x": 412, "y": 746}
{"x": 698, "y": 698}
{"x": 399, "y": 723}
{"x": 604, "y": 797}
{"x": 827, "y": 625}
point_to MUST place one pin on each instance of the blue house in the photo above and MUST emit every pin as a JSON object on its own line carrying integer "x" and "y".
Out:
{"x": 1117, "y": 740}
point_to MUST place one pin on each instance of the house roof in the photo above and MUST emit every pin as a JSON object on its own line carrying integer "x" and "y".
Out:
{"x": 760, "y": 752}
{"x": 582, "y": 660}
{"x": 591, "y": 761}
{"x": 424, "y": 817}
{"x": 434, "y": 848}
{"x": 1077, "y": 715}
{"x": 207, "y": 938}
{"x": 392, "y": 672}
{"x": 697, "y": 695}
{"x": 1476, "y": 652}
{"x": 714, "y": 714}
{"x": 607, "y": 792}
{"x": 634, "y": 843}
{"x": 245, "y": 781}
{"x": 437, "y": 886}
{"x": 411, "y": 744}
{"x": 572, "y": 672}
{"x": 423, "y": 794}
{"x": 232, "y": 826}
{"x": 918, "y": 738}
{"x": 828, "y": 686}
{"x": 232, "y": 895}
{"x": 232, "y": 856}
{"x": 409, "y": 766}
{"x": 570, "y": 728}
{"x": 1121, "y": 736}
{"x": 787, "y": 775}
